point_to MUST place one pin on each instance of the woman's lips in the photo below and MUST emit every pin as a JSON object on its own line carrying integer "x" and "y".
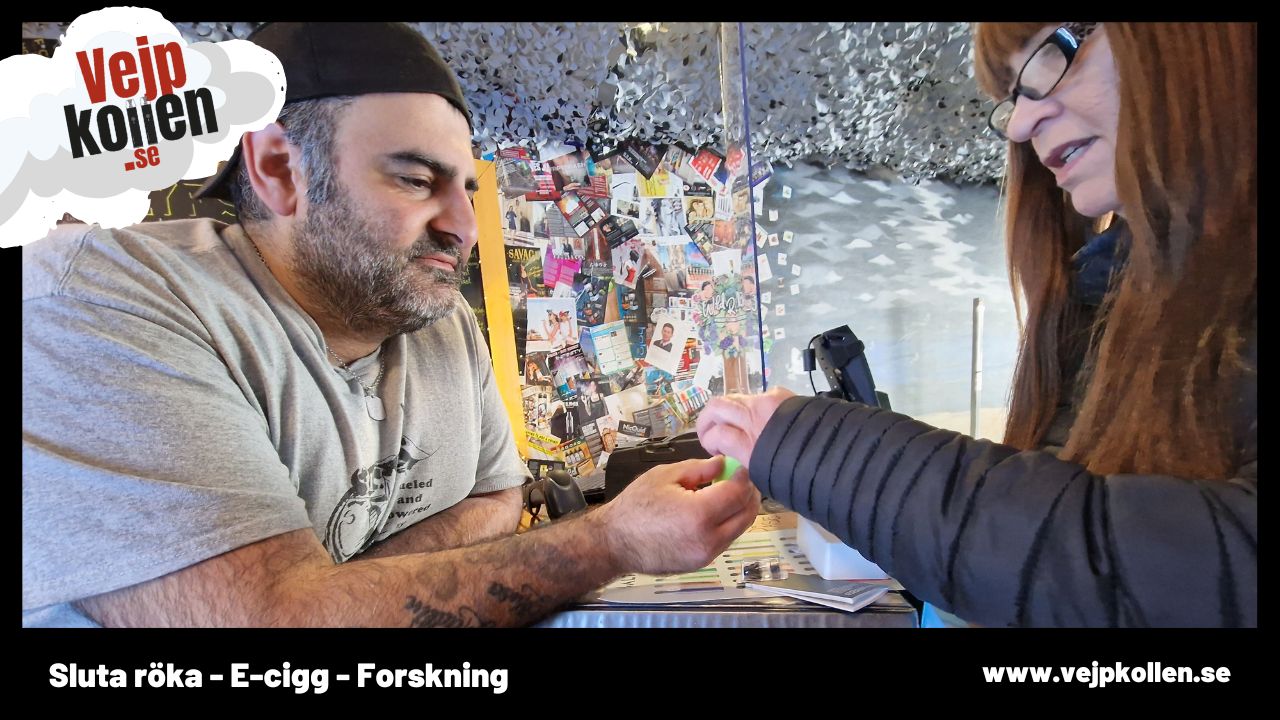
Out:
{"x": 1067, "y": 156}
{"x": 1056, "y": 158}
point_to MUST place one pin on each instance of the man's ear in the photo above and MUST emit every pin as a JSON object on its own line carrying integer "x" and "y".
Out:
{"x": 274, "y": 168}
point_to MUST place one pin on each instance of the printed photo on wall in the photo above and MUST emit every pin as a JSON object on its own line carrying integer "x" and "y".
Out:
{"x": 741, "y": 200}
{"x": 743, "y": 238}
{"x": 515, "y": 177}
{"x": 567, "y": 365}
{"x": 578, "y": 459}
{"x": 678, "y": 161}
{"x": 552, "y": 324}
{"x": 710, "y": 367}
{"x": 591, "y": 401}
{"x": 749, "y": 291}
{"x": 607, "y": 426}
{"x": 543, "y": 446}
{"x": 626, "y": 263}
{"x": 662, "y": 185}
{"x": 547, "y": 184}
{"x": 667, "y": 347}
{"x": 699, "y": 209}
{"x": 538, "y": 400}
{"x": 657, "y": 382}
{"x": 674, "y": 275}
{"x": 575, "y": 169}
{"x": 588, "y": 347}
{"x": 582, "y": 213}
{"x": 724, "y": 205}
{"x": 647, "y": 224}
{"x": 627, "y": 209}
{"x": 725, "y": 233}
{"x": 615, "y": 163}
{"x": 683, "y": 308}
{"x": 558, "y": 271}
{"x": 536, "y": 371}
{"x": 663, "y": 217}
{"x": 524, "y": 270}
{"x": 695, "y": 255}
{"x": 591, "y": 294}
{"x": 706, "y": 162}
{"x": 688, "y": 364}
{"x": 699, "y": 277}
{"x": 557, "y": 225}
{"x": 515, "y": 208}
{"x": 685, "y": 402}
{"x": 726, "y": 262}
{"x": 612, "y": 346}
{"x": 597, "y": 248}
{"x": 701, "y": 234}
{"x": 643, "y": 156}
{"x": 569, "y": 247}
{"x": 617, "y": 230}
{"x": 733, "y": 160}
{"x": 655, "y": 297}
{"x": 539, "y": 218}
{"x": 628, "y": 377}
{"x": 623, "y": 186}
{"x": 624, "y": 405}
{"x": 700, "y": 190}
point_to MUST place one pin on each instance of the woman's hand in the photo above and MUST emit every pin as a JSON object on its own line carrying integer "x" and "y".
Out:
{"x": 730, "y": 425}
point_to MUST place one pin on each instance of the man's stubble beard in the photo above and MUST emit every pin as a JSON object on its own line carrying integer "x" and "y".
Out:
{"x": 344, "y": 267}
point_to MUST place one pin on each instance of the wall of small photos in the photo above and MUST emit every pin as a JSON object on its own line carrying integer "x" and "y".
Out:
{"x": 631, "y": 277}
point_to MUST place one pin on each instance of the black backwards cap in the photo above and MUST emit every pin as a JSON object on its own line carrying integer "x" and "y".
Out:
{"x": 323, "y": 59}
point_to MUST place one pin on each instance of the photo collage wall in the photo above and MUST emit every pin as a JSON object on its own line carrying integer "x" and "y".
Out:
{"x": 632, "y": 283}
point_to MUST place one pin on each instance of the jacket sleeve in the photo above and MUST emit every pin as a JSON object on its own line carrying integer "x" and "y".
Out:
{"x": 1002, "y": 537}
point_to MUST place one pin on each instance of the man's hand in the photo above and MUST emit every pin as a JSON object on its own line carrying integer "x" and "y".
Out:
{"x": 730, "y": 425}
{"x": 661, "y": 524}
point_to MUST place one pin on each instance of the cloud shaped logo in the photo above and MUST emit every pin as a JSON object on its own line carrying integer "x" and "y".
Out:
{"x": 124, "y": 107}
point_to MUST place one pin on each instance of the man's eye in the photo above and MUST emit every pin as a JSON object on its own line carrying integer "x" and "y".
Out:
{"x": 416, "y": 183}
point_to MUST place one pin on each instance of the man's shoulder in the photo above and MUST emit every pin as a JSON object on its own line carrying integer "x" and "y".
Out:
{"x": 76, "y": 258}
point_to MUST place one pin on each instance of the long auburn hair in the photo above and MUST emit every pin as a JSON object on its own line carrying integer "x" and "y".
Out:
{"x": 1165, "y": 361}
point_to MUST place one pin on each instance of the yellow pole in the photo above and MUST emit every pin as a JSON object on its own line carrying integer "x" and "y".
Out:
{"x": 497, "y": 302}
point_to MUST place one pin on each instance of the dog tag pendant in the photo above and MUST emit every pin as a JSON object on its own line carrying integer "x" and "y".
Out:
{"x": 374, "y": 405}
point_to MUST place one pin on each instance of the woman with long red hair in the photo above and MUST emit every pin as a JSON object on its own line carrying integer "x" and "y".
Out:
{"x": 1125, "y": 492}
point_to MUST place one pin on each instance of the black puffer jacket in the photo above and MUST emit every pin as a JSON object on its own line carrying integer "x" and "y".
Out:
{"x": 1002, "y": 537}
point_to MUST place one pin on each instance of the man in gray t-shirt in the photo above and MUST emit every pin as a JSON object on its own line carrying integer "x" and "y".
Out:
{"x": 293, "y": 420}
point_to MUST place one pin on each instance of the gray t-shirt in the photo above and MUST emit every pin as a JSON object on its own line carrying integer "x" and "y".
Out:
{"x": 178, "y": 404}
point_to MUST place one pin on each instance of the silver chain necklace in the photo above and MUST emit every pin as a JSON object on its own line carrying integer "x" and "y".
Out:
{"x": 372, "y": 403}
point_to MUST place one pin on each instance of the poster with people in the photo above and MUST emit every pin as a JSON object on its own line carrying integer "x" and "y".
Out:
{"x": 552, "y": 324}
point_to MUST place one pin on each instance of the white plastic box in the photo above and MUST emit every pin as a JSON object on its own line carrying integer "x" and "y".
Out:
{"x": 831, "y": 558}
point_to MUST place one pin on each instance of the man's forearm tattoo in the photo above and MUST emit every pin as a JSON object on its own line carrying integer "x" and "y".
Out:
{"x": 527, "y": 604}
{"x": 426, "y": 616}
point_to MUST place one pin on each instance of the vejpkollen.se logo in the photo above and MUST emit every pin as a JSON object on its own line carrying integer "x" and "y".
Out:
{"x": 149, "y": 81}
{"x": 123, "y": 107}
